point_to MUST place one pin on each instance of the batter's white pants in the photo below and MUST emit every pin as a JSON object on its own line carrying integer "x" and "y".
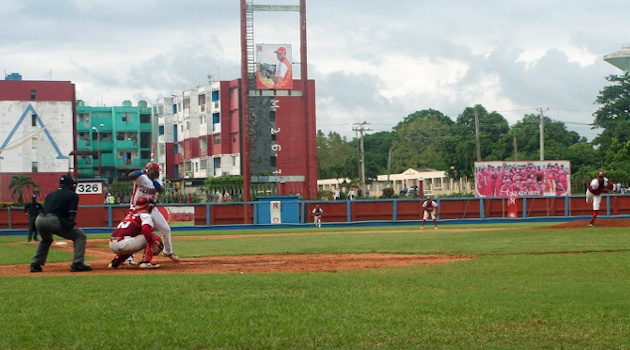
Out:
{"x": 165, "y": 229}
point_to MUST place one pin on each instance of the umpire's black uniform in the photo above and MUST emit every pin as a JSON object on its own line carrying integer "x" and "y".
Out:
{"x": 32, "y": 209}
{"x": 60, "y": 209}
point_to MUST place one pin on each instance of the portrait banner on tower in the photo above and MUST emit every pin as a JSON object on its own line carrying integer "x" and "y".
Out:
{"x": 273, "y": 66}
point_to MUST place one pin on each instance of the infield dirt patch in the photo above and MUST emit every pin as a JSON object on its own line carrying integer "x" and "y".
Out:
{"x": 281, "y": 263}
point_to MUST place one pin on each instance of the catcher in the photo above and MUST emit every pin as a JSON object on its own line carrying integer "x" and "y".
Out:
{"x": 135, "y": 233}
{"x": 594, "y": 192}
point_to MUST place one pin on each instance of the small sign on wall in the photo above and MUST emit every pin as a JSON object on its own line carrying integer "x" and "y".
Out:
{"x": 275, "y": 210}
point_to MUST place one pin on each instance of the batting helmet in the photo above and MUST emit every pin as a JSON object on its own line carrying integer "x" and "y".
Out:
{"x": 144, "y": 203}
{"x": 157, "y": 246}
{"x": 152, "y": 166}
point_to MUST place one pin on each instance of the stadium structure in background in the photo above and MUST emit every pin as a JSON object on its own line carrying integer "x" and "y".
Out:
{"x": 523, "y": 179}
{"x": 37, "y": 123}
{"x": 277, "y": 112}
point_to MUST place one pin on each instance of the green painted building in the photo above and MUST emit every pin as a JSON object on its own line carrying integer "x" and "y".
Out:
{"x": 112, "y": 141}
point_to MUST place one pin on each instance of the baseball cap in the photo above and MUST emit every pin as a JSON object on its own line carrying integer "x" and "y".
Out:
{"x": 600, "y": 173}
{"x": 66, "y": 180}
{"x": 281, "y": 49}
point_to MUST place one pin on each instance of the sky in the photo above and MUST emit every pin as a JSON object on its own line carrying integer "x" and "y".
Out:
{"x": 372, "y": 61}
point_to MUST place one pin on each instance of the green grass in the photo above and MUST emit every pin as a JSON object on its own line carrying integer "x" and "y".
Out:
{"x": 530, "y": 287}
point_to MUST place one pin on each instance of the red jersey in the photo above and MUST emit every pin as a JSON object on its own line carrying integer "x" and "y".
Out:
{"x": 135, "y": 224}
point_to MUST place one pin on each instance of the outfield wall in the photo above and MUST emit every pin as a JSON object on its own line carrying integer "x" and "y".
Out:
{"x": 355, "y": 211}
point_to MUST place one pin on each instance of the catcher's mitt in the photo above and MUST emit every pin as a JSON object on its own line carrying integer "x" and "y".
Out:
{"x": 157, "y": 246}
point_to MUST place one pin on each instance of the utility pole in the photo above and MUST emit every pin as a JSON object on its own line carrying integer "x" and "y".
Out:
{"x": 542, "y": 134}
{"x": 360, "y": 129}
{"x": 478, "y": 143}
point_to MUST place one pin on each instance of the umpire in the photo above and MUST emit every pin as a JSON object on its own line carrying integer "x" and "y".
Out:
{"x": 32, "y": 209}
{"x": 60, "y": 210}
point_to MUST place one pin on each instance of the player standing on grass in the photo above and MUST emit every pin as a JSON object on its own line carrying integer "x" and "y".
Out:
{"x": 146, "y": 183}
{"x": 594, "y": 192}
{"x": 317, "y": 216}
{"x": 429, "y": 209}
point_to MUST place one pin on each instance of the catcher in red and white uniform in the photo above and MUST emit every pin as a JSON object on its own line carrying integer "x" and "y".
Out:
{"x": 594, "y": 192}
{"x": 429, "y": 208}
{"x": 146, "y": 183}
{"x": 134, "y": 234}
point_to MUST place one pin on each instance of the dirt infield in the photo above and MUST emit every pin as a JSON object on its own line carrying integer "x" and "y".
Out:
{"x": 598, "y": 223}
{"x": 283, "y": 263}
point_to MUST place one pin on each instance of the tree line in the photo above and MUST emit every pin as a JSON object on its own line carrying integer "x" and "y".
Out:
{"x": 428, "y": 139}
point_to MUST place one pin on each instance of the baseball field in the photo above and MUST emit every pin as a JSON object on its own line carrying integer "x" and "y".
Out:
{"x": 502, "y": 286}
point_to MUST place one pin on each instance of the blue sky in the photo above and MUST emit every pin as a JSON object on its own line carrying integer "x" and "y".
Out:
{"x": 374, "y": 61}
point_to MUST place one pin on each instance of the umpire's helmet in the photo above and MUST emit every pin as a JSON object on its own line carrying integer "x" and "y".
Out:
{"x": 66, "y": 181}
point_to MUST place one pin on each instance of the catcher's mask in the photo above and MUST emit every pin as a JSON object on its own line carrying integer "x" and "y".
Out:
{"x": 144, "y": 203}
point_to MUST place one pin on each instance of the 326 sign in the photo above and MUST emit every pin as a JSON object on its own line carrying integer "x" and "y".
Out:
{"x": 89, "y": 188}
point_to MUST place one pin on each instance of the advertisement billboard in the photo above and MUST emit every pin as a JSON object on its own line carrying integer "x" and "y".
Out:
{"x": 523, "y": 179}
{"x": 273, "y": 67}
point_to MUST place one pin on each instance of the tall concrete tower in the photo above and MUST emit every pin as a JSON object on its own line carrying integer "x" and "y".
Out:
{"x": 620, "y": 59}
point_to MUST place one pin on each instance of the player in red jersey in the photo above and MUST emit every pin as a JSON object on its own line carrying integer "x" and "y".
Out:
{"x": 594, "y": 192}
{"x": 135, "y": 233}
{"x": 429, "y": 209}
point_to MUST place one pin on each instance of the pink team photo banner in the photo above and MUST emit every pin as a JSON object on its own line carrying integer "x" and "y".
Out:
{"x": 543, "y": 178}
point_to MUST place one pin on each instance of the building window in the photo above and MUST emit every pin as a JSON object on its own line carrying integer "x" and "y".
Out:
{"x": 34, "y": 167}
{"x": 126, "y": 117}
{"x": 161, "y": 130}
{"x": 145, "y": 118}
{"x": 34, "y": 120}
{"x": 33, "y": 94}
{"x": 215, "y": 95}
{"x": 217, "y": 140}
{"x": 174, "y": 108}
{"x": 187, "y": 103}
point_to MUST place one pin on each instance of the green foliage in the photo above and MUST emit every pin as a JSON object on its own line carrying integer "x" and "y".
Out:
{"x": 17, "y": 185}
{"x": 419, "y": 141}
{"x": 388, "y": 192}
{"x": 224, "y": 184}
{"x": 336, "y": 158}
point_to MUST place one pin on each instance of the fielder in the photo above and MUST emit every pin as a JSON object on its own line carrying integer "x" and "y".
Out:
{"x": 146, "y": 183}
{"x": 317, "y": 216}
{"x": 429, "y": 208}
{"x": 135, "y": 233}
{"x": 594, "y": 192}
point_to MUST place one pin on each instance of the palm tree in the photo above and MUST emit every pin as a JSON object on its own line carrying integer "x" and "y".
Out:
{"x": 17, "y": 184}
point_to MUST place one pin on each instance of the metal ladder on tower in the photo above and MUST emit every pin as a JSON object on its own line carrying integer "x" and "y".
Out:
{"x": 249, "y": 37}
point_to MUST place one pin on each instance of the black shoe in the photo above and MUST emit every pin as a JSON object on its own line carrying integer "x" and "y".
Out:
{"x": 28, "y": 239}
{"x": 78, "y": 267}
{"x": 113, "y": 265}
{"x": 35, "y": 267}
{"x": 35, "y": 239}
